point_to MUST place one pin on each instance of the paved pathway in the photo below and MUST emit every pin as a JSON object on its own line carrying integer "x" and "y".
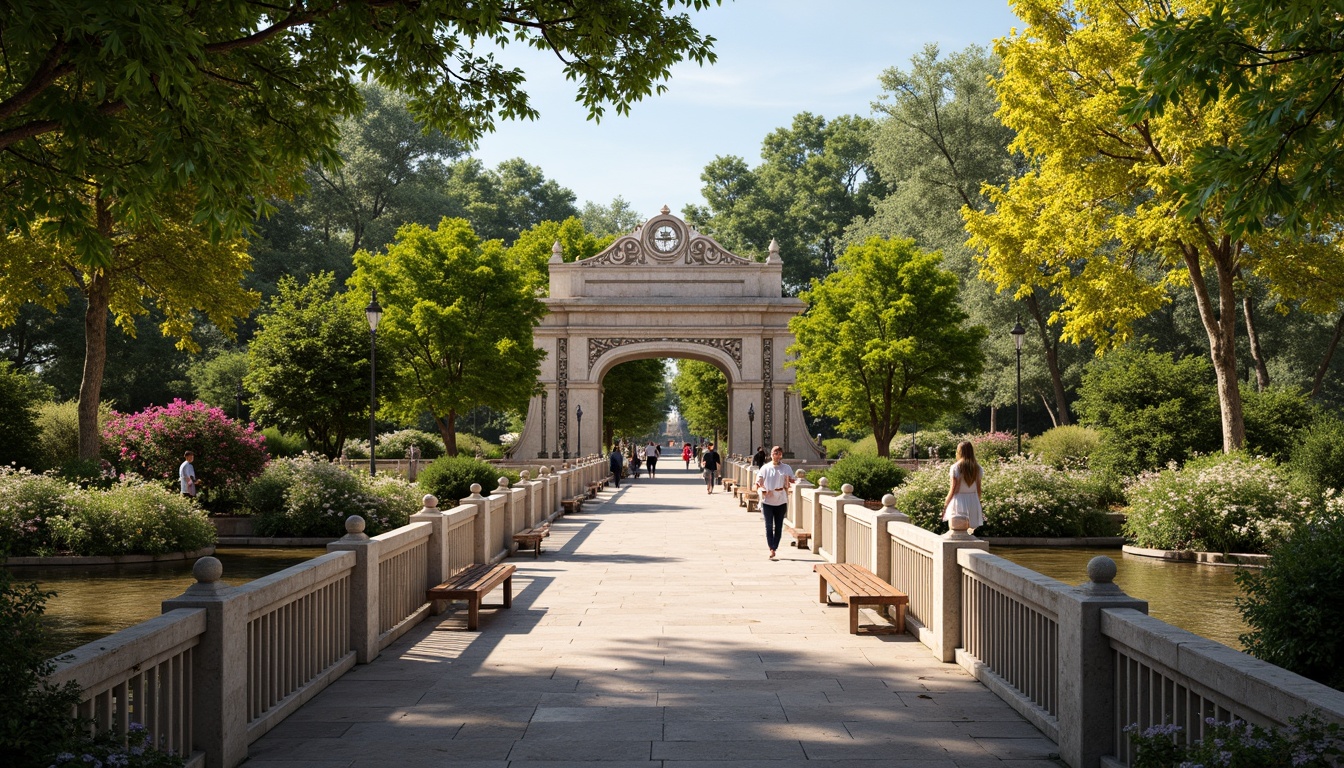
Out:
{"x": 654, "y": 632}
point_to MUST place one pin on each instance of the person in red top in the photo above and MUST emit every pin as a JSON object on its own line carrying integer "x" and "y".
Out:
{"x": 686, "y": 454}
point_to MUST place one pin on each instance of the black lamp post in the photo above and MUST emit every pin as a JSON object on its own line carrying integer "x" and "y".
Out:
{"x": 751, "y": 426}
{"x": 578, "y": 437}
{"x": 375, "y": 315}
{"x": 1019, "y": 333}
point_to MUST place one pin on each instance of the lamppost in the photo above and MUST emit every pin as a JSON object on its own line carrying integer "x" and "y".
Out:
{"x": 375, "y": 315}
{"x": 751, "y": 426}
{"x": 1019, "y": 333}
{"x": 578, "y": 437}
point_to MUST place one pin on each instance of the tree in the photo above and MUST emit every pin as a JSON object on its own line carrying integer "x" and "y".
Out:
{"x": 20, "y": 437}
{"x": 533, "y": 248}
{"x": 457, "y": 328}
{"x": 308, "y": 364}
{"x": 226, "y": 100}
{"x": 814, "y": 179}
{"x": 618, "y": 218}
{"x": 883, "y": 340}
{"x": 502, "y": 202}
{"x": 166, "y": 264}
{"x": 1276, "y": 66}
{"x": 218, "y": 381}
{"x": 1094, "y": 219}
{"x": 634, "y": 399}
{"x": 701, "y": 390}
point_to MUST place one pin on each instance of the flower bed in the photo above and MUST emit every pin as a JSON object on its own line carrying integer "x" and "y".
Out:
{"x": 310, "y": 496}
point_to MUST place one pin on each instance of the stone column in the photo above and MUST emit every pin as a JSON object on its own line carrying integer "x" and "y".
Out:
{"x": 823, "y": 490}
{"x": 837, "y": 544}
{"x": 1086, "y": 666}
{"x": 219, "y": 665}
{"x": 480, "y": 532}
{"x": 363, "y": 588}
{"x": 945, "y": 632}
{"x": 796, "y": 500}
{"x": 436, "y": 559}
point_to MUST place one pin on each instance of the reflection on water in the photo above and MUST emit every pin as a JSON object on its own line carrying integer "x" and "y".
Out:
{"x": 95, "y": 601}
{"x": 1196, "y": 598}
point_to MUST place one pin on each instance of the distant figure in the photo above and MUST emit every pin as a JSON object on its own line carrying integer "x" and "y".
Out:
{"x": 186, "y": 475}
{"x": 638, "y": 462}
{"x": 963, "y": 495}
{"x": 758, "y": 460}
{"x": 616, "y": 460}
{"x": 686, "y": 454}
{"x": 651, "y": 459}
{"x": 773, "y": 482}
{"x": 710, "y": 461}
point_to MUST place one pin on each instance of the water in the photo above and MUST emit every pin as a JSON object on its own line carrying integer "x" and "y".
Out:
{"x": 1196, "y": 598}
{"x": 92, "y": 602}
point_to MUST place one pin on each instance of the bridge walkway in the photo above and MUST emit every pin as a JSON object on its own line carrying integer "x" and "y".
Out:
{"x": 654, "y": 632}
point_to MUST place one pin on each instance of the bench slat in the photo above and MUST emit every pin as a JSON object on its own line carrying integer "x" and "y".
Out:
{"x": 860, "y": 586}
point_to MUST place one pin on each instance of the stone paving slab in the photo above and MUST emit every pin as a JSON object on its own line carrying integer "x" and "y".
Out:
{"x": 654, "y": 632}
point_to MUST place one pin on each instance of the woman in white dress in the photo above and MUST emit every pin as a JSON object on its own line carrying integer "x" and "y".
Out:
{"x": 963, "y": 495}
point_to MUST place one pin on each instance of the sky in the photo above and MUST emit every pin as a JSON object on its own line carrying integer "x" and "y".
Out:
{"x": 777, "y": 58}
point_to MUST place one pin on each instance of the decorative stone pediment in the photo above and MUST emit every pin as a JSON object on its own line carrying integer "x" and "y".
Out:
{"x": 665, "y": 240}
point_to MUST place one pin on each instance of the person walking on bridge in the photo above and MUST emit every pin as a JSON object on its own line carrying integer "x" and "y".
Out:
{"x": 773, "y": 483}
{"x": 616, "y": 461}
{"x": 651, "y": 458}
{"x": 686, "y": 454}
{"x": 709, "y": 463}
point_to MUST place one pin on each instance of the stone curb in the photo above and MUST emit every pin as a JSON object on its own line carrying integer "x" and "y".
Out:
{"x": 1063, "y": 541}
{"x": 263, "y": 541}
{"x": 110, "y": 559}
{"x": 1236, "y": 560}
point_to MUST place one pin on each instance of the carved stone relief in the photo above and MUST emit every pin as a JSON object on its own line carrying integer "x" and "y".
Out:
{"x": 598, "y": 347}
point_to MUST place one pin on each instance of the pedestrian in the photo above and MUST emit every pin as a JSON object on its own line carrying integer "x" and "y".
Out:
{"x": 686, "y": 454}
{"x": 773, "y": 483}
{"x": 616, "y": 461}
{"x": 651, "y": 459}
{"x": 186, "y": 475}
{"x": 758, "y": 460}
{"x": 963, "y": 494}
{"x": 709, "y": 463}
{"x": 639, "y": 460}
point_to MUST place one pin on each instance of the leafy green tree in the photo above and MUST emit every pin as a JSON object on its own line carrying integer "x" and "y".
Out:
{"x": 219, "y": 379}
{"x": 308, "y": 364}
{"x": 618, "y": 218}
{"x": 504, "y": 201}
{"x": 20, "y": 438}
{"x": 814, "y": 179}
{"x": 457, "y": 328}
{"x": 883, "y": 340}
{"x": 1151, "y": 408}
{"x": 635, "y": 399}
{"x": 532, "y": 249}
{"x": 1277, "y": 67}
{"x": 1275, "y": 419}
{"x": 701, "y": 391}
{"x": 229, "y": 99}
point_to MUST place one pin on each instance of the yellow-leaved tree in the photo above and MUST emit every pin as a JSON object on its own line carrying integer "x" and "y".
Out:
{"x": 1097, "y": 217}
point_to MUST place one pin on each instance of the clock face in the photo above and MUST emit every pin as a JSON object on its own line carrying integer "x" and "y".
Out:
{"x": 666, "y": 238}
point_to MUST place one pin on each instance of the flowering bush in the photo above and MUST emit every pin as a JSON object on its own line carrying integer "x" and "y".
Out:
{"x": 943, "y": 441}
{"x": 107, "y": 750}
{"x": 394, "y": 445}
{"x": 1021, "y": 497}
{"x": 1305, "y": 743}
{"x": 43, "y": 515}
{"x": 991, "y": 445}
{"x": 310, "y": 496}
{"x": 1237, "y": 504}
{"x": 151, "y": 444}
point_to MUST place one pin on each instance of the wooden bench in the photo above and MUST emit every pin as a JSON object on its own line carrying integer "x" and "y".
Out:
{"x": 471, "y": 584}
{"x": 532, "y": 537}
{"x": 572, "y": 506}
{"x": 800, "y": 537}
{"x": 753, "y": 501}
{"x": 593, "y": 488}
{"x": 860, "y": 586}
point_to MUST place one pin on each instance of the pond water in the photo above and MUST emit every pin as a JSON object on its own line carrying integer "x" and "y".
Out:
{"x": 1196, "y": 598}
{"x": 95, "y": 601}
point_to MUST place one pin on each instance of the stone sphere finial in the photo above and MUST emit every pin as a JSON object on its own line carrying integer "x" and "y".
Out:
{"x": 430, "y": 501}
{"x": 801, "y": 474}
{"x": 1101, "y": 570}
{"x": 888, "y": 500}
{"x": 565, "y": 465}
{"x": 475, "y": 489}
{"x": 824, "y": 483}
{"x": 354, "y": 524}
{"x": 503, "y": 483}
{"x": 524, "y": 475}
{"x": 847, "y": 489}
{"x": 959, "y": 523}
{"x": 207, "y": 570}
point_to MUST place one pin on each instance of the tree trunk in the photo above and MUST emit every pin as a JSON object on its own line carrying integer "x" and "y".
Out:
{"x": 1054, "y": 420}
{"x": 98, "y": 295}
{"x": 1324, "y": 367}
{"x": 1051, "y": 347}
{"x": 1257, "y": 354}
{"x": 993, "y": 419}
{"x": 1220, "y": 323}
{"x": 448, "y": 431}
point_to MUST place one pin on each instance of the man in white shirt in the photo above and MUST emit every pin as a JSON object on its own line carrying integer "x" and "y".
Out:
{"x": 773, "y": 483}
{"x": 186, "y": 475}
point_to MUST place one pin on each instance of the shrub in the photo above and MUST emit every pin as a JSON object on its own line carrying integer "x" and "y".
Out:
{"x": 394, "y": 445}
{"x": 467, "y": 445}
{"x": 282, "y": 444}
{"x": 449, "y": 478}
{"x": 1305, "y": 743}
{"x": 866, "y": 446}
{"x": 990, "y": 445}
{"x": 310, "y": 496}
{"x": 1318, "y": 458}
{"x": 36, "y": 712}
{"x": 133, "y": 517}
{"x": 1292, "y": 606}
{"x": 872, "y": 476}
{"x": 1215, "y": 504}
{"x": 940, "y": 439}
{"x": 837, "y": 447}
{"x": 1067, "y": 447}
{"x": 355, "y": 449}
{"x": 1020, "y": 497}
{"x": 135, "y": 749}
{"x": 20, "y": 396}
{"x": 27, "y": 503}
{"x": 1150, "y": 408}
{"x": 151, "y": 444}
{"x": 58, "y": 445}
{"x": 1274, "y": 420}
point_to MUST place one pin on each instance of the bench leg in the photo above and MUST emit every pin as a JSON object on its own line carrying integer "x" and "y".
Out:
{"x": 821, "y": 596}
{"x": 536, "y": 548}
{"x": 508, "y": 589}
{"x": 473, "y": 612}
{"x": 853, "y": 618}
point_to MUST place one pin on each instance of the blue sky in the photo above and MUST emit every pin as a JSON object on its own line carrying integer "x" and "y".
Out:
{"x": 776, "y": 58}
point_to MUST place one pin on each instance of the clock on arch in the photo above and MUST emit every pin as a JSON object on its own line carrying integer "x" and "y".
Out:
{"x": 666, "y": 237}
